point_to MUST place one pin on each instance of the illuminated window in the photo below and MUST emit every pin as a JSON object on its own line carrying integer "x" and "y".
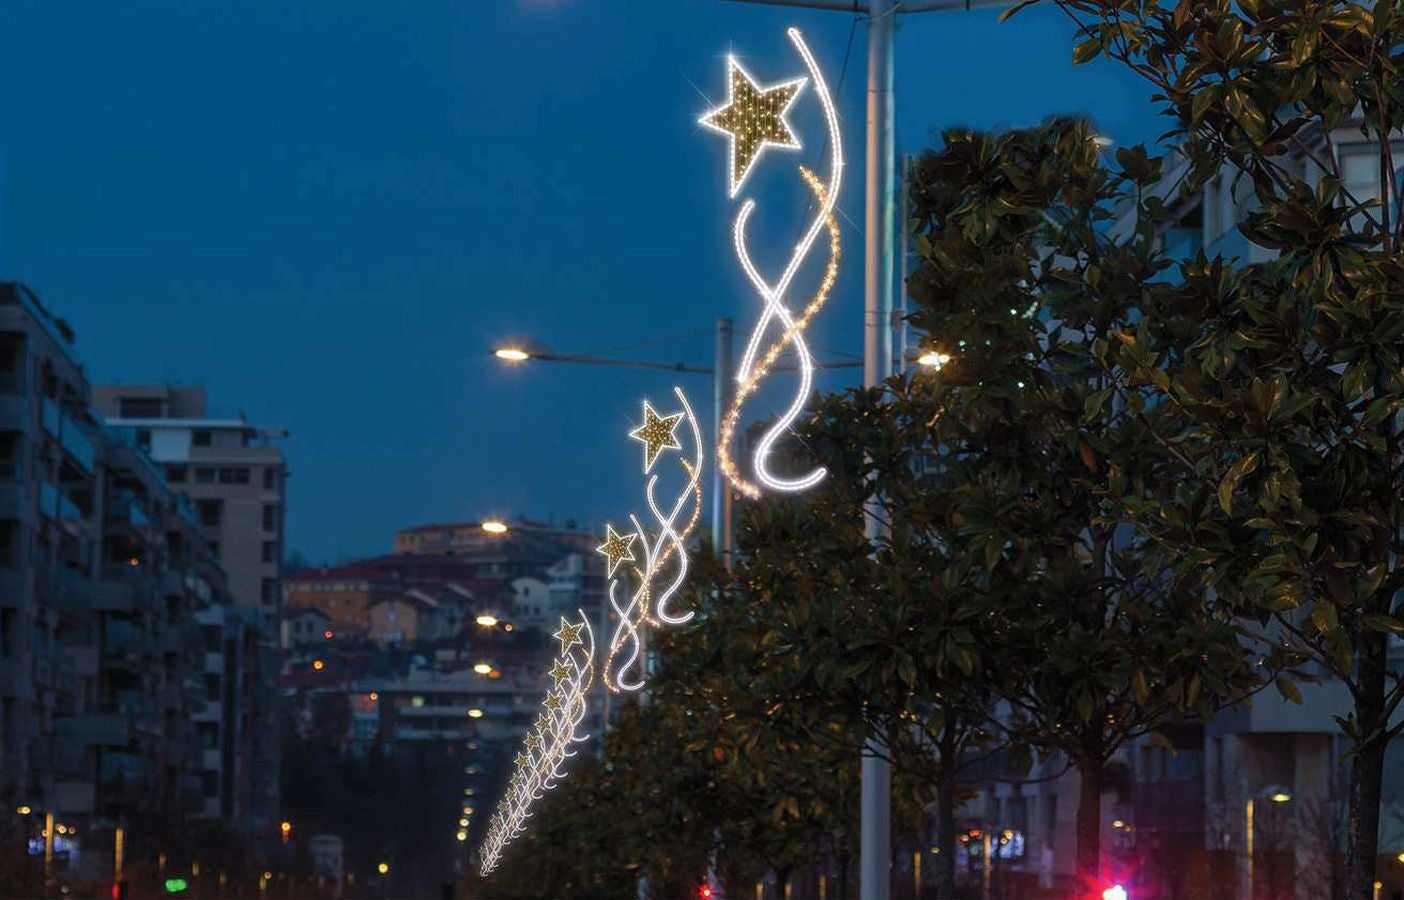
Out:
{"x": 416, "y": 702}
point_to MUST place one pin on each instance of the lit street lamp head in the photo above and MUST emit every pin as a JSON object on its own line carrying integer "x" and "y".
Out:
{"x": 512, "y": 354}
{"x": 495, "y": 526}
{"x": 933, "y": 359}
{"x": 487, "y": 621}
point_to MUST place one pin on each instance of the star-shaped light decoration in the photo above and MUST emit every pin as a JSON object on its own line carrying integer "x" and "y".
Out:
{"x": 754, "y": 118}
{"x": 533, "y": 741}
{"x": 559, "y": 672}
{"x": 657, "y": 433}
{"x": 568, "y": 635}
{"x": 553, "y": 701}
{"x": 521, "y": 760}
{"x": 617, "y": 548}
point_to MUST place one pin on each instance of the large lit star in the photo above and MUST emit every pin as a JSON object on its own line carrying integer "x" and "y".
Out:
{"x": 568, "y": 635}
{"x": 657, "y": 433}
{"x": 559, "y": 672}
{"x": 617, "y": 548}
{"x": 753, "y": 118}
{"x": 553, "y": 701}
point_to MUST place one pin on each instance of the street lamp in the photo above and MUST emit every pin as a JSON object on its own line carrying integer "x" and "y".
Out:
{"x": 723, "y": 385}
{"x": 1272, "y": 795}
{"x": 383, "y": 868}
{"x": 933, "y": 359}
{"x": 494, "y": 526}
{"x": 482, "y": 668}
{"x": 487, "y": 621}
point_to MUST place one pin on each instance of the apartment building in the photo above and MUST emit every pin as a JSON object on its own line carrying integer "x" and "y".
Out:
{"x": 106, "y": 579}
{"x": 234, "y": 475}
{"x": 232, "y": 471}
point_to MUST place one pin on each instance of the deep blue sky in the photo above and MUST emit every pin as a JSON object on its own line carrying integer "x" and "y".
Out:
{"x": 327, "y": 212}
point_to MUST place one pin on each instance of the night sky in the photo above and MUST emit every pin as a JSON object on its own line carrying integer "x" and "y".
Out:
{"x": 329, "y": 212}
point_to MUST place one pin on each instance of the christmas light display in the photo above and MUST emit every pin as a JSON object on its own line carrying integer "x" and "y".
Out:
{"x": 551, "y": 741}
{"x": 659, "y": 575}
{"x": 753, "y": 118}
{"x": 752, "y": 127}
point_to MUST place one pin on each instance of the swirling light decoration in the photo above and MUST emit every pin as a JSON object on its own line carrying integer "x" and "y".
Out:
{"x": 551, "y": 741}
{"x": 753, "y": 117}
{"x": 663, "y": 549}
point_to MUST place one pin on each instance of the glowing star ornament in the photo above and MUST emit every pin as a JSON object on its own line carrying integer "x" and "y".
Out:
{"x": 617, "y": 548}
{"x": 568, "y": 634}
{"x": 558, "y": 674}
{"x": 753, "y": 118}
{"x": 657, "y": 433}
{"x": 757, "y": 363}
{"x": 645, "y": 598}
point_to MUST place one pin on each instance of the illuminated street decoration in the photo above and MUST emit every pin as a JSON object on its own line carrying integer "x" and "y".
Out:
{"x": 753, "y": 118}
{"x": 617, "y": 548}
{"x": 644, "y": 599}
{"x": 755, "y": 364}
{"x": 551, "y": 740}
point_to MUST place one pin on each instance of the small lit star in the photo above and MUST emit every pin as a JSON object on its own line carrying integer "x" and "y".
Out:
{"x": 568, "y": 635}
{"x": 657, "y": 434}
{"x": 559, "y": 672}
{"x": 533, "y": 741}
{"x": 522, "y": 760}
{"x": 753, "y": 118}
{"x": 617, "y": 548}
{"x": 553, "y": 701}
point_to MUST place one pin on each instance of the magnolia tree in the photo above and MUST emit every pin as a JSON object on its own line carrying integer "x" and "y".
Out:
{"x": 1281, "y": 380}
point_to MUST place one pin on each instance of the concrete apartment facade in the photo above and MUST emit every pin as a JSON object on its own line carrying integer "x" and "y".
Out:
{"x": 234, "y": 475}
{"x": 106, "y": 582}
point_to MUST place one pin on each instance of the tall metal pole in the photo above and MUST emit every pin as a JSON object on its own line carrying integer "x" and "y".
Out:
{"x": 723, "y": 383}
{"x": 875, "y": 846}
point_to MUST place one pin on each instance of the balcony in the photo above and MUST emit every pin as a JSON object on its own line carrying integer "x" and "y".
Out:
{"x": 70, "y": 435}
{"x": 78, "y": 593}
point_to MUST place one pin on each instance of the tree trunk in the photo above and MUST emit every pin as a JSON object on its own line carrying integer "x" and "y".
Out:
{"x": 945, "y": 818}
{"x": 1089, "y": 827}
{"x": 1367, "y": 767}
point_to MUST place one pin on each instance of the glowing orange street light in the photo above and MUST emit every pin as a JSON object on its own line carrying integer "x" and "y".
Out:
{"x": 286, "y": 828}
{"x": 318, "y": 665}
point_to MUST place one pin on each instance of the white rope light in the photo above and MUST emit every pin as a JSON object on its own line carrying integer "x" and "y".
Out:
{"x": 663, "y": 550}
{"x": 551, "y": 741}
{"x": 755, "y": 130}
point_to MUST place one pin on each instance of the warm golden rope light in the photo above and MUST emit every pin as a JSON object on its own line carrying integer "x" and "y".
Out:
{"x": 772, "y": 353}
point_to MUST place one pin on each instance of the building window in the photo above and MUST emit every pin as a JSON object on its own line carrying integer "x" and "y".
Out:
{"x": 175, "y": 474}
{"x": 270, "y": 551}
{"x": 139, "y": 408}
{"x": 204, "y": 475}
{"x": 234, "y": 475}
{"x": 267, "y": 588}
{"x": 210, "y": 511}
{"x": 143, "y": 438}
{"x": 270, "y": 479}
{"x": 200, "y": 437}
{"x": 270, "y": 517}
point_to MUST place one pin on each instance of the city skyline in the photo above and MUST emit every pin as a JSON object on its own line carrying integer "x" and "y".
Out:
{"x": 347, "y": 279}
